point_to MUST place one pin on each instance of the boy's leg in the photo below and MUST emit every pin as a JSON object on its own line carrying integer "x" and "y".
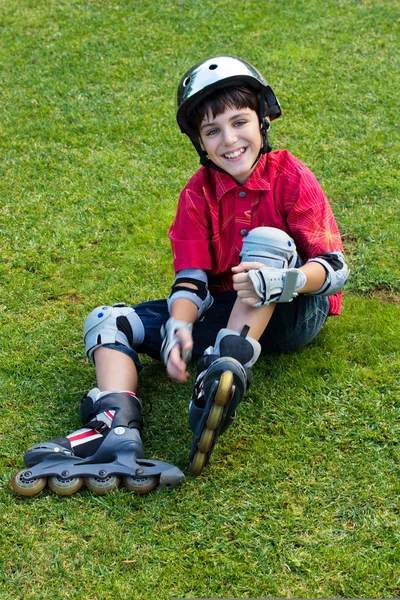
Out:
{"x": 117, "y": 379}
{"x": 111, "y": 333}
{"x": 119, "y": 334}
{"x": 115, "y": 370}
{"x": 114, "y": 404}
{"x": 113, "y": 336}
{"x": 256, "y": 319}
{"x": 224, "y": 371}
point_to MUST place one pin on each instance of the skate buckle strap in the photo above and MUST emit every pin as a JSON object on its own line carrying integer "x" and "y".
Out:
{"x": 290, "y": 286}
{"x": 99, "y": 426}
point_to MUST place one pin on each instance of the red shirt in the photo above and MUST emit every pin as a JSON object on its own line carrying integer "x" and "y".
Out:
{"x": 214, "y": 213}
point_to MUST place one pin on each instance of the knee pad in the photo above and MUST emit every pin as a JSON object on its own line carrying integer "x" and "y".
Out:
{"x": 270, "y": 246}
{"x": 110, "y": 325}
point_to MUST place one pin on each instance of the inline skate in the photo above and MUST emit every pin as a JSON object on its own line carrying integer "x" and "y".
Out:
{"x": 109, "y": 448}
{"x": 224, "y": 374}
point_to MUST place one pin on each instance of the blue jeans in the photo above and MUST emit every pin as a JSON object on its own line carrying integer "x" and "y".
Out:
{"x": 292, "y": 325}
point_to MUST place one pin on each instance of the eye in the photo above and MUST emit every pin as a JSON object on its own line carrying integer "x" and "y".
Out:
{"x": 212, "y": 131}
{"x": 240, "y": 123}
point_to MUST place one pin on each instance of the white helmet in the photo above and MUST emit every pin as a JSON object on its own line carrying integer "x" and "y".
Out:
{"x": 220, "y": 72}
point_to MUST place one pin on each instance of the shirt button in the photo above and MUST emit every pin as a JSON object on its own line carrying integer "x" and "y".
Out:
{"x": 242, "y": 194}
{"x": 243, "y": 232}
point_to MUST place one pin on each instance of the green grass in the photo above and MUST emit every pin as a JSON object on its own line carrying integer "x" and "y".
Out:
{"x": 301, "y": 498}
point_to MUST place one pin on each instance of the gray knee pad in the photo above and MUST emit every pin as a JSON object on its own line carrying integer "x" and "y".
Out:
{"x": 110, "y": 325}
{"x": 270, "y": 246}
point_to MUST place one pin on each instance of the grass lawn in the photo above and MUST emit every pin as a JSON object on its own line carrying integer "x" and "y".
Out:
{"x": 301, "y": 497}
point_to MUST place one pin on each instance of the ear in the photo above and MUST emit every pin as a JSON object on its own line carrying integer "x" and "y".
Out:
{"x": 196, "y": 140}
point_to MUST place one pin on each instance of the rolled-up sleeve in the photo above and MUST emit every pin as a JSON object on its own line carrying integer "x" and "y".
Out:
{"x": 311, "y": 220}
{"x": 190, "y": 233}
{"x": 309, "y": 216}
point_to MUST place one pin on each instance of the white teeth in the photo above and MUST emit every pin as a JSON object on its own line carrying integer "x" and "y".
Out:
{"x": 235, "y": 154}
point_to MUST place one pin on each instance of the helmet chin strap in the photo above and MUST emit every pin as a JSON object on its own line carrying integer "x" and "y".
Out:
{"x": 265, "y": 125}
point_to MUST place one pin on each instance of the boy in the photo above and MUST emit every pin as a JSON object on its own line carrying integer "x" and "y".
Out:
{"x": 245, "y": 202}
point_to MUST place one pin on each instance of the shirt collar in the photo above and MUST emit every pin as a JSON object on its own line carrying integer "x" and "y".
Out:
{"x": 258, "y": 180}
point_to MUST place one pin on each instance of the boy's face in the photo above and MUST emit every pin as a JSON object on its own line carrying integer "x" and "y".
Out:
{"x": 232, "y": 141}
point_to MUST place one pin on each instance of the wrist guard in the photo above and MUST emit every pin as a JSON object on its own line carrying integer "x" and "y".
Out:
{"x": 276, "y": 285}
{"x": 170, "y": 339}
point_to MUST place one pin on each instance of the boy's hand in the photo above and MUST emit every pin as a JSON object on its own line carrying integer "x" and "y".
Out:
{"x": 263, "y": 285}
{"x": 176, "y": 366}
{"x": 176, "y": 348}
{"x": 242, "y": 283}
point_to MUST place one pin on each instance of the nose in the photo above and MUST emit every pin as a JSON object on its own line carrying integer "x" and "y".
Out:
{"x": 229, "y": 136}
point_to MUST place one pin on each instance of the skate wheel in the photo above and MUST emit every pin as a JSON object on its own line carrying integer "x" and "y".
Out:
{"x": 215, "y": 416}
{"x": 65, "y": 487}
{"x": 198, "y": 463}
{"x": 27, "y": 488}
{"x": 102, "y": 486}
{"x": 140, "y": 485}
{"x": 224, "y": 388}
{"x": 206, "y": 441}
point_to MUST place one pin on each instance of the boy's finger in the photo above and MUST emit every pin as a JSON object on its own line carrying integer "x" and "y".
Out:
{"x": 176, "y": 367}
{"x": 247, "y": 266}
{"x": 241, "y": 278}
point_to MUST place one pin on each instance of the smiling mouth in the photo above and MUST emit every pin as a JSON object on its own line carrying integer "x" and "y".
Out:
{"x": 235, "y": 154}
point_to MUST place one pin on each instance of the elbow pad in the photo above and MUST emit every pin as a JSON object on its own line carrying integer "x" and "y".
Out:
{"x": 337, "y": 273}
{"x": 200, "y": 295}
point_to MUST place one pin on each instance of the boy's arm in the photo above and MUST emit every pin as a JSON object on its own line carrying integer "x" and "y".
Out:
{"x": 188, "y": 300}
{"x": 314, "y": 272}
{"x": 257, "y": 285}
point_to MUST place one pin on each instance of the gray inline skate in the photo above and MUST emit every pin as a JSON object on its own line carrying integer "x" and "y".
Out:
{"x": 107, "y": 450}
{"x": 224, "y": 374}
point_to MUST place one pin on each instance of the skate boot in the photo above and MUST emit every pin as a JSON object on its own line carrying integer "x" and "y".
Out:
{"x": 224, "y": 374}
{"x": 108, "y": 448}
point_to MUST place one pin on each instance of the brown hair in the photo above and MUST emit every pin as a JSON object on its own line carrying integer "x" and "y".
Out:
{"x": 218, "y": 101}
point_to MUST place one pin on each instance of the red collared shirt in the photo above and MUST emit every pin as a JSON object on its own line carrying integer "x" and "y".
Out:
{"x": 215, "y": 212}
